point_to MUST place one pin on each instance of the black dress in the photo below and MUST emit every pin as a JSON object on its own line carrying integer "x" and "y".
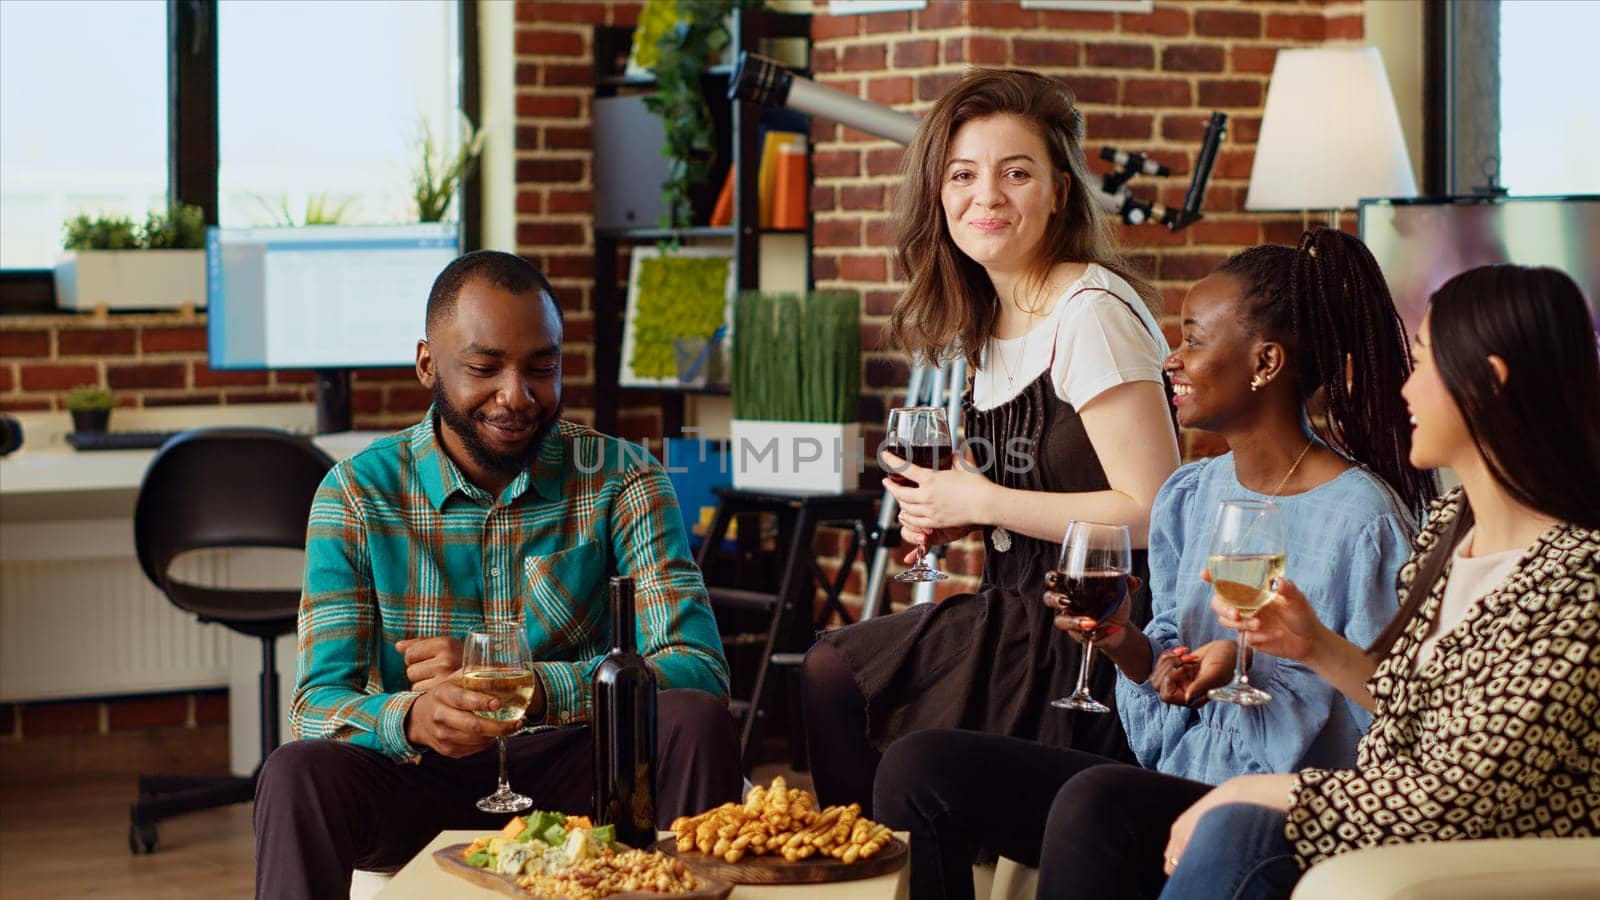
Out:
{"x": 992, "y": 661}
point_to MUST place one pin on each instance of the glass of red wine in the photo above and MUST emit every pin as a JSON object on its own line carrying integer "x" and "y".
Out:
{"x": 1092, "y": 574}
{"x": 921, "y": 436}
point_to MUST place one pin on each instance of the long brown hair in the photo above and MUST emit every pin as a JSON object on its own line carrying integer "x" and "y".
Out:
{"x": 1326, "y": 300}
{"x": 950, "y": 304}
{"x": 1539, "y": 432}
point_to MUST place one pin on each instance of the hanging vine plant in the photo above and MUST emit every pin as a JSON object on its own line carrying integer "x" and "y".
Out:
{"x": 692, "y": 37}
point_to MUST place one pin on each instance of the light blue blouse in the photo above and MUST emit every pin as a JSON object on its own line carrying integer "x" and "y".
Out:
{"x": 1347, "y": 540}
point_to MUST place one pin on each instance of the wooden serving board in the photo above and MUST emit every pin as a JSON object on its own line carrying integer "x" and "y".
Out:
{"x": 450, "y": 859}
{"x": 777, "y": 870}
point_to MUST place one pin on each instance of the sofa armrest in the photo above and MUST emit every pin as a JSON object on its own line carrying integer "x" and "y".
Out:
{"x": 1460, "y": 870}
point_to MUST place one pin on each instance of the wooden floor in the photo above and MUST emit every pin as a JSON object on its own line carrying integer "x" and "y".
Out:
{"x": 67, "y": 836}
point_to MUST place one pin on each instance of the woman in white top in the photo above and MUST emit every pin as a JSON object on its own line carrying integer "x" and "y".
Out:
{"x": 1010, "y": 263}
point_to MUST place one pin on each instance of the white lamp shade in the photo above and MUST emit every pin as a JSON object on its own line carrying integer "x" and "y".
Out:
{"x": 1330, "y": 134}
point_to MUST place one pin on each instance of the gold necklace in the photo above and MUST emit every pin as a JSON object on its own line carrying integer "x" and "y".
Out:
{"x": 1286, "y": 476}
{"x": 1011, "y": 371}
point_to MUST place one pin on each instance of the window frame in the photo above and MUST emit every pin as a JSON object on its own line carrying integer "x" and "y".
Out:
{"x": 192, "y": 136}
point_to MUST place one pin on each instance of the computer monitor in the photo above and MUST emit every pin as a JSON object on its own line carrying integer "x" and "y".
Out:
{"x": 321, "y": 296}
{"x": 1421, "y": 244}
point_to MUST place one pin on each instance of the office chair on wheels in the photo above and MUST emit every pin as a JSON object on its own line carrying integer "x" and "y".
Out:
{"x": 221, "y": 488}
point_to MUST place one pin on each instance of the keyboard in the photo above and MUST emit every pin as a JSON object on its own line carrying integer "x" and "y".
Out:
{"x": 118, "y": 440}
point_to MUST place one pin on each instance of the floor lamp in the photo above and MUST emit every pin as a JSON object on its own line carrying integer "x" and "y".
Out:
{"x": 1330, "y": 134}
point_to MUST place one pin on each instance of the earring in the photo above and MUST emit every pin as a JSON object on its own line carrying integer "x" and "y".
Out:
{"x": 1257, "y": 382}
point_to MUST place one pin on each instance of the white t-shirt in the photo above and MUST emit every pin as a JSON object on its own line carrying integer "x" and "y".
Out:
{"x": 1471, "y": 579}
{"x": 1100, "y": 340}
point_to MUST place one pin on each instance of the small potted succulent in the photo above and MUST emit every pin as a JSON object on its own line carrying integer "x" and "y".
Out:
{"x": 90, "y": 405}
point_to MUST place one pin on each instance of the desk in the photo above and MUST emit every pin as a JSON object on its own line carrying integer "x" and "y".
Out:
{"x": 422, "y": 879}
{"x": 77, "y": 616}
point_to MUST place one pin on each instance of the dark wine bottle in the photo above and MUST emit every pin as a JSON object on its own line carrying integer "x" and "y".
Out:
{"x": 625, "y": 730}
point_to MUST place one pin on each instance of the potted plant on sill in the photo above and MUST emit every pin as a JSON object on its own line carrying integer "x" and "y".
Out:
{"x": 796, "y": 392}
{"x": 90, "y": 405}
{"x": 113, "y": 263}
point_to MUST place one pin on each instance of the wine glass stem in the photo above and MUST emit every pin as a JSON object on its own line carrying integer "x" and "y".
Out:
{"x": 1239, "y": 676}
{"x": 505, "y": 786}
{"x": 1083, "y": 668}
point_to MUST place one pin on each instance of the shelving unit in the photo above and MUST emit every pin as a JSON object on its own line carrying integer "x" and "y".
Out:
{"x": 737, "y": 126}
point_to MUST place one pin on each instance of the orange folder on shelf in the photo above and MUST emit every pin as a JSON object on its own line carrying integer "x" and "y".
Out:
{"x": 767, "y": 175}
{"x": 789, "y": 192}
{"x": 722, "y": 213}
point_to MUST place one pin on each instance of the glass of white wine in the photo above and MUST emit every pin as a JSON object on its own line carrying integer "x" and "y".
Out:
{"x": 496, "y": 661}
{"x": 1248, "y": 548}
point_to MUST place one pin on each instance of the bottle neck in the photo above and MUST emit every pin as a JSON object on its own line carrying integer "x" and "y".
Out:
{"x": 622, "y": 628}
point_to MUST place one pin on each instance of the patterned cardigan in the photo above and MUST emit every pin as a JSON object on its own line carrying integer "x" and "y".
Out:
{"x": 1498, "y": 735}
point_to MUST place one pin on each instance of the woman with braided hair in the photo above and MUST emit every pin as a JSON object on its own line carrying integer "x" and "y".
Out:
{"x": 1270, "y": 330}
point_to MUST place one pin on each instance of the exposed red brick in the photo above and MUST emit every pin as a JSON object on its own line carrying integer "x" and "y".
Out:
{"x": 386, "y": 373}
{"x": 1297, "y": 26}
{"x": 823, "y": 131}
{"x": 574, "y": 138}
{"x": 1244, "y": 129}
{"x": 574, "y": 365}
{"x": 205, "y": 376}
{"x": 934, "y": 85}
{"x": 884, "y": 161}
{"x": 578, "y": 328}
{"x": 880, "y": 303}
{"x": 549, "y": 43}
{"x": 1240, "y": 233}
{"x": 550, "y": 106}
{"x": 1146, "y": 236}
{"x": 549, "y": 171}
{"x": 886, "y": 22}
{"x": 24, "y": 343}
{"x": 8, "y": 381}
{"x": 95, "y": 341}
{"x": 1227, "y": 23}
{"x": 1044, "y": 52}
{"x": 50, "y": 377}
{"x": 567, "y": 75}
{"x": 916, "y": 54}
{"x": 864, "y": 58}
{"x": 1001, "y": 15}
{"x": 1230, "y": 93}
{"x": 407, "y": 398}
{"x": 1155, "y": 92}
{"x": 891, "y": 91}
{"x": 1252, "y": 59}
{"x": 1109, "y": 126}
{"x": 1193, "y": 58}
{"x": 938, "y": 14}
{"x": 246, "y": 396}
{"x": 1092, "y": 88}
{"x": 1057, "y": 20}
{"x": 569, "y": 266}
{"x": 1168, "y": 21}
{"x": 863, "y": 268}
{"x": 1345, "y": 28}
{"x": 855, "y": 196}
{"x": 293, "y": 376}
{"x": 824, "y": 59}
{"x": 1175, "y": 160}
{"x": 566, "y": 11}
{"x": 1282, "y": 231}
{"x": 211, "y": 707}
{"x": 884, "y": 372}
{"x": 1234, "y": 164}
{"x": 8, "y": 719}
{"x": 527, "y": 137}
{"x": 550, "y": 234}
{"x": 827, "y": 28}
{"x": 823, "y": 198}
{"x": 526, "y": 74}
{"x": 366, "y": 400}
{"x": 187, "y": 339}
{"x": 1121, "y": 56}
{"x": 184, "y": 398}
{"x": 148, "y": 375}
{"x": 880, "y": 233}
{"x": 1184, "y": 128}
{"x": 24, "y": 404}
{"x": 164, "y": 711}
{"x": 836, "y": 233}
{"x": 825, "y": 268}
{"x": 985, "y": 51}
{"x": 835, "y": 163}
{"x": 1188, "y": 266}
{"x": 529, "y": 202}
{"x": 77, "y": 717}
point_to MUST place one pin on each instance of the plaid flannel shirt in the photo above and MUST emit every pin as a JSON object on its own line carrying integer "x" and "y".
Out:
{"x": 401, "y": 545}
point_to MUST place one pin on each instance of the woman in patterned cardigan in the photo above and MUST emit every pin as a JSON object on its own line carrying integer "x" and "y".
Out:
{"x": 1485, "y": 690}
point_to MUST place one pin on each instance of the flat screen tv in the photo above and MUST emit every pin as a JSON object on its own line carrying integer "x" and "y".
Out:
{"x": 1421, "y": 243}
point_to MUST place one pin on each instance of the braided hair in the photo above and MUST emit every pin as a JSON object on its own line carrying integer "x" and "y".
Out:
{"x": 1326, "y": 300}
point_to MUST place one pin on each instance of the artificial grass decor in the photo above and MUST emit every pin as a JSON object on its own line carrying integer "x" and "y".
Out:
{"x": 797, "y": 359}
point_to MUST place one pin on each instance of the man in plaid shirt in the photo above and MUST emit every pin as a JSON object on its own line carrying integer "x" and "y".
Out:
{"x": 490, "y": 508}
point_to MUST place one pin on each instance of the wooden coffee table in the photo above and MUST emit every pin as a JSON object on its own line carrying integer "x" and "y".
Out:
{"x": 422, "y": 879}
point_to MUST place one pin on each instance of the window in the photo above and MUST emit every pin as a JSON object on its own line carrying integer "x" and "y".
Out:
{"x": 83, "y": 90}
{"x": 1549, "y": 117}
{"x": 322, "y": 106}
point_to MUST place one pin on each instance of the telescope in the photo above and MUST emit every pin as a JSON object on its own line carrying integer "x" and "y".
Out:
{"x": 767, "y": 82}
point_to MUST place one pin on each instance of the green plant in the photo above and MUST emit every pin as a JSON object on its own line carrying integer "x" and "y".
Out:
{"x": 182, "y": 227}
{"x": 797, "y": 360}
{"x": 678, "y": 297}
{"x": 320, "y": 210}
{"x": 436, "y": 179}
{"x": 90, "y": 397}
{"x": 682, "y": 55}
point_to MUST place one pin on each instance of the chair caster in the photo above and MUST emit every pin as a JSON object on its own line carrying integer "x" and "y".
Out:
{"x": 142, "y": 834}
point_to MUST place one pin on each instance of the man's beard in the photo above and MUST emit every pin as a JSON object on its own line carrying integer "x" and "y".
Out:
{"x": 465, "y": 427}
